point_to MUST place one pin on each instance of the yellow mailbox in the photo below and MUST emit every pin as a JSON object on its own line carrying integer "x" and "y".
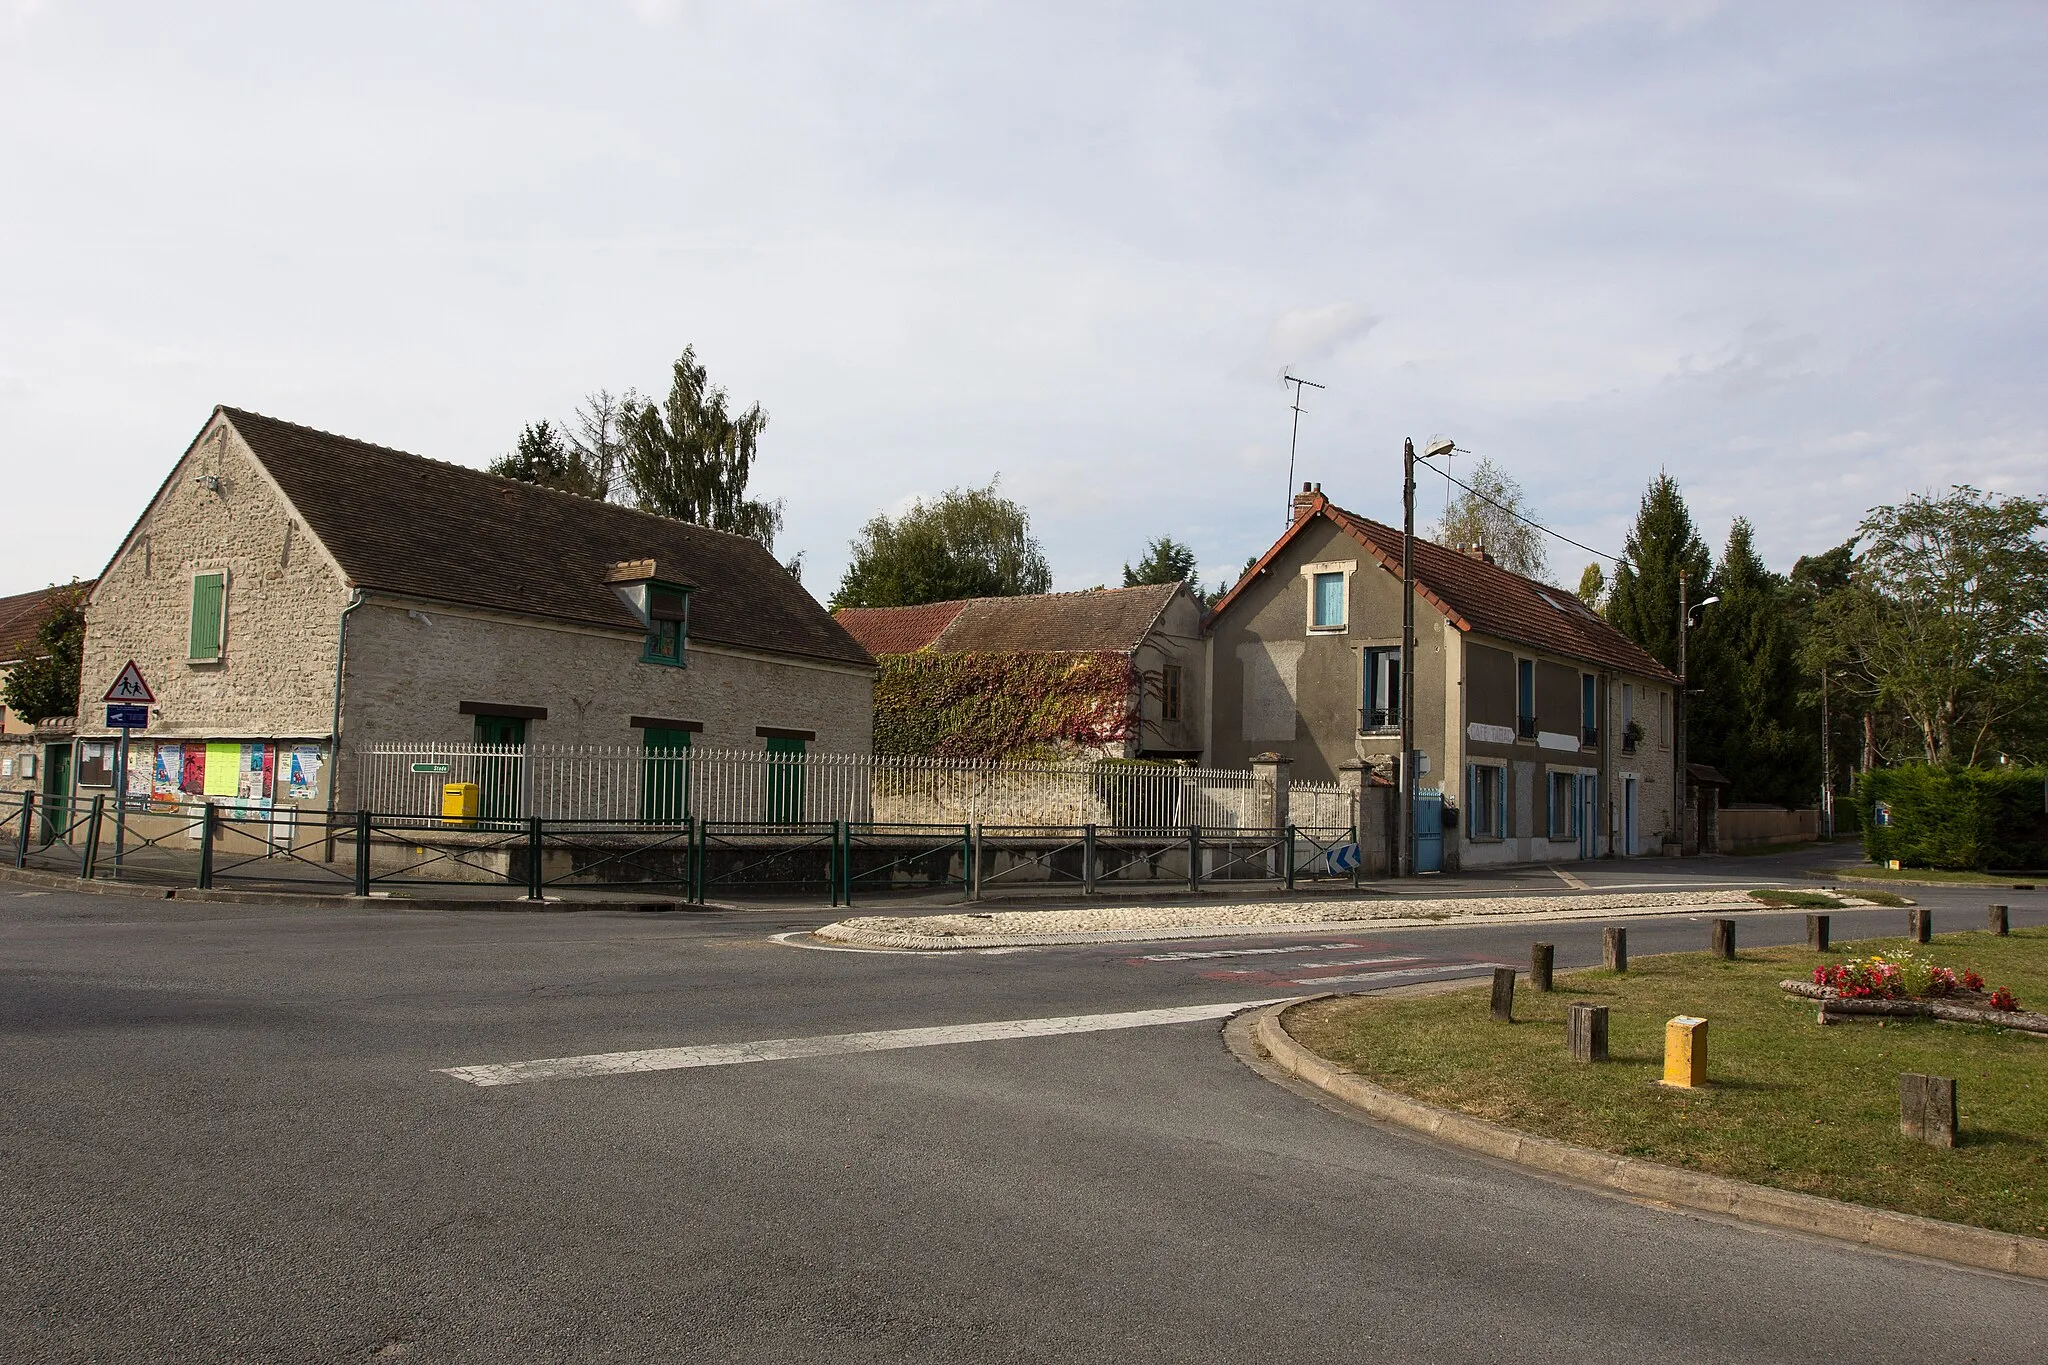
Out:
{"x": 1685, "y": 1052}
{"x": 460, "y": 802}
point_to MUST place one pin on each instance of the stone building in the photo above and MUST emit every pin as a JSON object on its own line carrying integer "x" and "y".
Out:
{"x": 1155, "y": 705}
{"x": 1544, "y": 734}
{"x": 293, "y": 597}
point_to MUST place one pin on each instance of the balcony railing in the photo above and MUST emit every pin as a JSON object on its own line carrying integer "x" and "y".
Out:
{"x": 1382, "y": 718}
{"x": 1525, "y": 726}
{"x": 1589, "y": 737}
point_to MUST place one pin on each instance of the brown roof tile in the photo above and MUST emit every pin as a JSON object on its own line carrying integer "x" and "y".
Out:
{"x": 897, "y": 630}
{"x": 1485, "y": 597}
{"x": 22, "y": 613}
{"x": 404, "y": 524}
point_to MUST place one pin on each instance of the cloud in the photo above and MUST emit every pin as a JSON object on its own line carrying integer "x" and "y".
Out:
{"x": 1304, "y": 336}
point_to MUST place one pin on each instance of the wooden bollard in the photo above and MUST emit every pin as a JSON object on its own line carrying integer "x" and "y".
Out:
{"x": 1920, "y": 924}
{"x": 1585, "y": 1031}
{"x": 1542, "y": 958}
{"x": 1817, "y": 933}
{"x": 1998, "y": 921}
{"x": 1685, "y": 1052}
{"x": 1724, "y": 939}
{"x": 1614, "y": 948}
{"x": 1927, "y": 1108}
{"x": 1504, "y": 995}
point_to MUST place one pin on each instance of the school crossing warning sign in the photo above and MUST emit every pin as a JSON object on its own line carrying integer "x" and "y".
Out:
{"x": 130, "y": 687}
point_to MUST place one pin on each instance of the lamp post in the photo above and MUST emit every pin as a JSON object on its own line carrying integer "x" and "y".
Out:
{"x": 1404, "y": 858}
{"x": 1685, "y": 618}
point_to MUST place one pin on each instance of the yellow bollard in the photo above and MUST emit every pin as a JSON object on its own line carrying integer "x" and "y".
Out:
{"x": 1685, "y": 1052}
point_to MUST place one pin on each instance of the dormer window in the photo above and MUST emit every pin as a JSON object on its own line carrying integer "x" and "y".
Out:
{"x": 668, "y": 623}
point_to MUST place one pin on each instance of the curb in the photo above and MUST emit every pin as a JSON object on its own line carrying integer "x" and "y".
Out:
{"x": 187, "y": 895}
{"x": 1977, "y": 1248}
{"x": 852, "y": 932}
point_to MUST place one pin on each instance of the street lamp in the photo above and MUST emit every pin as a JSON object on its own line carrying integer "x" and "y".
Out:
{"x": 1686, "y": 615}
{"x": 1405, "y": 833}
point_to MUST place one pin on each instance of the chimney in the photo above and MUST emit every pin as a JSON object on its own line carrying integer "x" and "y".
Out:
{"x": 1479, "y": 552}
{"x": 1305, "y": 501}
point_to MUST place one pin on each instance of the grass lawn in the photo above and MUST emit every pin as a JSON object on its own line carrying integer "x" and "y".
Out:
{"x": 1933, "y": 875}
{"x": 1791, "y": 1104}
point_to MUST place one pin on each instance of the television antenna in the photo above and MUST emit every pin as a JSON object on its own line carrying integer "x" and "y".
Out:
{"x": 1294, "y": 438}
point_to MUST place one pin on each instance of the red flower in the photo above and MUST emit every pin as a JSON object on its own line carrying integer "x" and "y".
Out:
{"x": 2002, "y": 999}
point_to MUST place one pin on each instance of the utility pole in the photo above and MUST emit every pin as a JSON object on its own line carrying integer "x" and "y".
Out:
{"x": 1678, "y": 717}
{"x": 1286, "y": 378}
{"x": 1827, "y": 771}
{"x": 1404, "y": 859}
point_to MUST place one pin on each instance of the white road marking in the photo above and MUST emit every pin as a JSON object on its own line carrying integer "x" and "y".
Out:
{"x": 832, "y": 1044}
{"x": 794, "y": 938}
{"x": 1249, "y": 952}
{"x": 1569, "y": 880}
{"x": 1462, "y": 968}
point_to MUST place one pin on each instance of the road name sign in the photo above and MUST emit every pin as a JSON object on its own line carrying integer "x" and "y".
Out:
{"x": 127, "y": 717}
{"x": 130, "y": 688}
{"x": 430, "y": 767}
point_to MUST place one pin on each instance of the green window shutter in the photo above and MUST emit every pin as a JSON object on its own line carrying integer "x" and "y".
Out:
{"x": 664, "y": 774}
{"x": 209, "y": 592}
{"x": 785, "y": 781}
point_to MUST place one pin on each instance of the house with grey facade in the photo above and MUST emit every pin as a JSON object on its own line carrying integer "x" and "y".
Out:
{"x": 1543, "y": 734}
{"x": 294, "y": 598}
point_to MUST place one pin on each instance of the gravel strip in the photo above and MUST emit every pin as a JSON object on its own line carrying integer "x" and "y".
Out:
{"x": 1112, "y": 919}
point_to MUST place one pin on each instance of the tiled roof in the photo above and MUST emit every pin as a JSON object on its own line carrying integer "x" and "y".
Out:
{"x": 897, "y": 630}
{"x": 22, "y": 613}
{"x": 404, "y": 524}
{"x": 1104, "y": 619}
{"x": 1477, "y": 595}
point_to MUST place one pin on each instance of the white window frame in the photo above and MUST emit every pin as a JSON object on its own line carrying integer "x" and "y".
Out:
{"x": 1309, "y": 573}
{"x": 1389, "y": 655}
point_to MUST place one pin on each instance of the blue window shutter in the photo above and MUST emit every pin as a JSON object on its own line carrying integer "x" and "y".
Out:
{"x": 1329, "y": 607}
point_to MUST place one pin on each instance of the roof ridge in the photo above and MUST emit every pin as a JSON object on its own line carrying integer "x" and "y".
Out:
{"x": 234, "y": 412}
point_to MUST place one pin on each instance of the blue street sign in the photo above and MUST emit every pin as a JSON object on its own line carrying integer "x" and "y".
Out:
{"x": 1344, "y": 857}
{"x": 127, "y": 717}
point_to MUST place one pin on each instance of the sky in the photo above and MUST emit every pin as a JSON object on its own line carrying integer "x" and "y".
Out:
{"x": 1792, "y": 254}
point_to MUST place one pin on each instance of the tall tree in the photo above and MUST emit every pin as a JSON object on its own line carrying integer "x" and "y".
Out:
{"x": 596, "y": 435}
{"x": 968, "y": 542}
{"x": 1166, "y": 561}
{"x": 1489, "y": 514}
{"x": 689, "y": 456}
{"x": 543, "y": 457}
{"x": 1643, "y": 603}
{"x": 1946, "y": 619}
{"x": 45, "y": 683}
{"x": 1747, "y": 717}
{"x": 1592, "y": 589}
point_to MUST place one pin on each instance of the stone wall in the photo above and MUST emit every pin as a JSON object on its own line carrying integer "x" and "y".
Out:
{"x": 411, "y": 667}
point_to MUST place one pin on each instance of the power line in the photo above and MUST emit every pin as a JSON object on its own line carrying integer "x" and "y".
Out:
{"x": 1442, "y": 474}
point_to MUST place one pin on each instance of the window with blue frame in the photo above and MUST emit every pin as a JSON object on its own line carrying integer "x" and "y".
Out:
{"x": 1525, "y": 698}
{"x": 1589, "y": 713}
{"x": 1328, "y": 613}
{"x": 1382, "y": 703}
{"x": 1486, "y": 801}
{"x": 668, "y": 624}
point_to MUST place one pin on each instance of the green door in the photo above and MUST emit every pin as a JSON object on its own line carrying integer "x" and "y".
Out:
{"x": 665, "y": 775}
{"x": 497, "y": 775}
{"x": 56, "y": 792}
{"x": 785, "y": 781}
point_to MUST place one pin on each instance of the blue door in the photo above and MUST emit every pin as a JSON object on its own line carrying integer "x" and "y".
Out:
{"x": 1429, "y": 829}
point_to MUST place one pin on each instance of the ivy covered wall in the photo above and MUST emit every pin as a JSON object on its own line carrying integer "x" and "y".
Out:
{"x": 1004, "y": 705}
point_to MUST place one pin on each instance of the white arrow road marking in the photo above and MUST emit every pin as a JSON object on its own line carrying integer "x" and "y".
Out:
{"x": 832, "y": 1044}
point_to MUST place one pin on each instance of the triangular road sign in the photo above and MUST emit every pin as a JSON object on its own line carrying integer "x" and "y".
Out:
{"x": 130, "y": 687}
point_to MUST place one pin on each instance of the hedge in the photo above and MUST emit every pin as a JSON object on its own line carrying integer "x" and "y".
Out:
{"x": 1955, "y": 818}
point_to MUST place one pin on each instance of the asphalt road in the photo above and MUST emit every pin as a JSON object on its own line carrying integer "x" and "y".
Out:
{"x": 227, "y": 1135}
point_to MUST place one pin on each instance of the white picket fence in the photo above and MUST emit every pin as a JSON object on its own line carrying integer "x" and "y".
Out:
{"x": 560, "y": 782}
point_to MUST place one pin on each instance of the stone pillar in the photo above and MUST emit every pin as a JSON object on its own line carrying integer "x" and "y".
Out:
{"x": 1269, "y": 788}
{"x": 1712, "y": 796}
{"x": 1351, "y": 779}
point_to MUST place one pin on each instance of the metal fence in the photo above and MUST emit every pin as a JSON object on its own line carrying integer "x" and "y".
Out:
{"x": 560, "y": 782}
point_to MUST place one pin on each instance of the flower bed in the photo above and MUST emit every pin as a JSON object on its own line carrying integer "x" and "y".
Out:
{"x": 1904, "y": 983}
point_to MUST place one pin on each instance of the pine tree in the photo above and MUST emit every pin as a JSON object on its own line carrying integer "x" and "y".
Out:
{"x": 1747, "y": 716}
{"x": 1166, "y": 561}
{"x": 1643, "y": 603}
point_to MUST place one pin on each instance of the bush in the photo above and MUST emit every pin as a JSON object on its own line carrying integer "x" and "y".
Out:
{"x": 1955, "y": 818}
